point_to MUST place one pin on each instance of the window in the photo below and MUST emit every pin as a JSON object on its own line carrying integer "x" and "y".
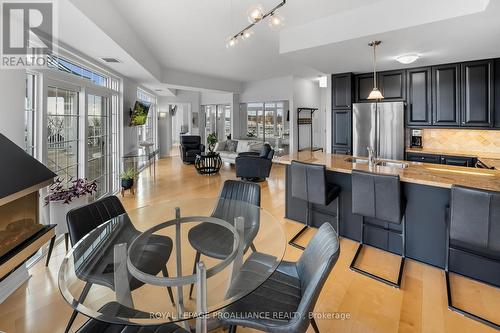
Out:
{"x": 69, "y": 67}
{"x": 98, "y": 143}
{"x": 29, "y": 114}
{"x": 62, "y": 132}
{"x": 147, "y": 132}
{"x": 227, "y": 120}
{"x": 266, "y": 120}
{"x": 115, "y": 142}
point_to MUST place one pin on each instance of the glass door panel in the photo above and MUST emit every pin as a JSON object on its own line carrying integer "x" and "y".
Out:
{"x": 98, "y": 143}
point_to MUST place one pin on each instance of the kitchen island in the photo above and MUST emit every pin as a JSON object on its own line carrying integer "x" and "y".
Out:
{"x": 426, "y": 188}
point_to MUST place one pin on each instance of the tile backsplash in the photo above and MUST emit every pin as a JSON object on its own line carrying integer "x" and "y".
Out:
{"x": 462, "y": 140}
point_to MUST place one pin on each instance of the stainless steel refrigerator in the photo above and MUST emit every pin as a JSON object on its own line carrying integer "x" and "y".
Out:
{"x": 379, "y": 126}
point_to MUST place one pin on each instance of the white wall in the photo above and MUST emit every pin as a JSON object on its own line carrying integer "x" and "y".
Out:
{"x": 306, "y": 93}
{"x": 208, "y": 98}
{"x": 275, "y": 89}
{"x": 12, "y": 94}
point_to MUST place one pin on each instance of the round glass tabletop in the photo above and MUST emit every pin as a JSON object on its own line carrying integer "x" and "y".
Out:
{"x": 141, "y": 267}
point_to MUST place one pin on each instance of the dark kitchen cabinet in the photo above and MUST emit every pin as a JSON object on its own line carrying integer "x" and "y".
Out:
{"x": 342, "y": 129}
{"x": 446, "y": 95}
{"x": 497, "y": 93}
{"x": 392, "y": 85}
{"x": 477, "y": 94}
{"x": 424, "y": 158}
{"x": 342, "y": 151}
{"x": 419, "y": 103}
{"x": 363, "y": 87}
{"x": 458, "y": 161}
{"x": 342, "y": 91}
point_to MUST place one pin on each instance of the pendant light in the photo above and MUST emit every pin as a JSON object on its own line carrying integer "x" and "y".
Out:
{"x": 375, "y": 93}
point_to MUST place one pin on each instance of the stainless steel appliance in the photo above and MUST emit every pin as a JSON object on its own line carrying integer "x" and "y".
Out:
{"x": 416, "y": 139}
{"x": 379, "y": 126}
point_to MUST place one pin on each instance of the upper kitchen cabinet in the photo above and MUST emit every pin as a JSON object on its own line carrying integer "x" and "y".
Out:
{"x": 363, "y": 87}
{"x": 391, "y": 84}
{"x": 477, "y": 94}
{"x": 419, "y": 107}
{"x": 342, "y": 91}
{"x": 446, "y": 95}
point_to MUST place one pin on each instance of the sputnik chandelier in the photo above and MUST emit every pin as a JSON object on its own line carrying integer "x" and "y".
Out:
{"x": 256, "y": 15}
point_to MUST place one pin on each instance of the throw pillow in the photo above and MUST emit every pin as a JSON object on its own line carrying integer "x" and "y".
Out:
{"x": 220, "y": 146}
{"x": 231, "y": 145}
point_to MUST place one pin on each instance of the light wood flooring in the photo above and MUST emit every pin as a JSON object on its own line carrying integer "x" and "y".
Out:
{"x": 420, "y": 306}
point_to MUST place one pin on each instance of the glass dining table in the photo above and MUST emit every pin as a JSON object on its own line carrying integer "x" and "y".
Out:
{"x": 178, "y": 247}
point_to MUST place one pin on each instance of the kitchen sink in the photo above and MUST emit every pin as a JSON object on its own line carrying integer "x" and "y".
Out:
{"x": 390, "y": 164}
{"x": 356, "y": 160}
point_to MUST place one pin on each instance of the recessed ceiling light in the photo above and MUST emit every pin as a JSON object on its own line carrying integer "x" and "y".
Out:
{"x": 407, "y": 58}
{"x": 110, "y": 60}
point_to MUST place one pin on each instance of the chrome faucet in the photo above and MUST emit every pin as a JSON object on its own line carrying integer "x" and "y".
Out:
{"x": 371, "y": 157}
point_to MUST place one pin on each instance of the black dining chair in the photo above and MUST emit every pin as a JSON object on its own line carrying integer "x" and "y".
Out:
{"x": 236, "y": 199}
{"x": 286, "y": 300}
{"x": 114, "y": 309}
{"x": 151, "y": 259}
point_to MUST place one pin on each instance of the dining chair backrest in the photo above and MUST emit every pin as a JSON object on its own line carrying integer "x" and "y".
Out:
{"x": 238, "y": 198}
{"x": 315, "y": 265}
{"x": 84, "y": 219}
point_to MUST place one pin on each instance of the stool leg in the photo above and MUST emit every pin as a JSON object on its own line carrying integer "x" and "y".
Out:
{"x": 299, "y": 234}
{"x": 353, "y": 267}
{"x": 196, "y": 261}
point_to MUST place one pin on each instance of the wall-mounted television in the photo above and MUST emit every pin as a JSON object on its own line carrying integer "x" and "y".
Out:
{"x": 139, "y": 114}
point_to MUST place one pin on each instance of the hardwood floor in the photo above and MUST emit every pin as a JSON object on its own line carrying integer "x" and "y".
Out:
{"x": 370, "y": 306}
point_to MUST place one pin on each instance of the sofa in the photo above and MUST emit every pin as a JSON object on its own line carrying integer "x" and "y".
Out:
{"x": 230, "y": 149}
{"x": 190, "y": 146}
{"x": 255, "y": 167}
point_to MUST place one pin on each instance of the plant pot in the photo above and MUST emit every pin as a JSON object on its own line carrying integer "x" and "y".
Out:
{"x": 59, "y": 209}
{"x": 127, "y": 183}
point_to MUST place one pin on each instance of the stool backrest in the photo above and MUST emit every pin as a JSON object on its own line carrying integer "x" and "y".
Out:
{"x": 475, "y": 219}
{"x": 377, "y": 196}
{"x": 309, "y": 182}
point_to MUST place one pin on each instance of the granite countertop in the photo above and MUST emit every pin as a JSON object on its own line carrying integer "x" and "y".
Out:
{"x": 419, "y": 173}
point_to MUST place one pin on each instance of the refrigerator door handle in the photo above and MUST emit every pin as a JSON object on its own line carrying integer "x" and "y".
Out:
{"x": 377, "y": 131}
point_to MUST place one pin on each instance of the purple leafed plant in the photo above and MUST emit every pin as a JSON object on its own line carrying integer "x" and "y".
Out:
{"x": 59, "y": 191}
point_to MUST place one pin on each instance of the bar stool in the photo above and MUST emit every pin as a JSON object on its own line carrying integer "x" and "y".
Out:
{"x": 473, "y": 236}
{"x": 380, "y": 197}
{"x": 309, "y": 184}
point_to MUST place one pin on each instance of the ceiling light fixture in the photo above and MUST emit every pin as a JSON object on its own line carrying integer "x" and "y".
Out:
{"x": 407, "y": 58}
{"x": 256, "y": 15}
{"x": 375, "y": 93}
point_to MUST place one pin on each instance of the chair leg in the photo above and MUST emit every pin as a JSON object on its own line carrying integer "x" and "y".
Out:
{"x": 232, "y": 329}
{"x": 169, "y": 289}
{"x": 82, "y": 297}
{"x": 314, "y": 325}
{"x": 253, "y": 247}
{"x": 51, "y": 247}
{"x": 66, "y": 241}
{"x": 196, "y": 261}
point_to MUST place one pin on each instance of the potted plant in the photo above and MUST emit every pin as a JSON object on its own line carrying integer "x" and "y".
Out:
{"x": 65, "y": 196}
{"x": 128, "y": 177}
{"x": 211, "y": 141}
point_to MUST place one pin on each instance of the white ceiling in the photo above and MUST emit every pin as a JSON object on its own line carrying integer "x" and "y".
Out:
{"x": 188, "y": 36}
